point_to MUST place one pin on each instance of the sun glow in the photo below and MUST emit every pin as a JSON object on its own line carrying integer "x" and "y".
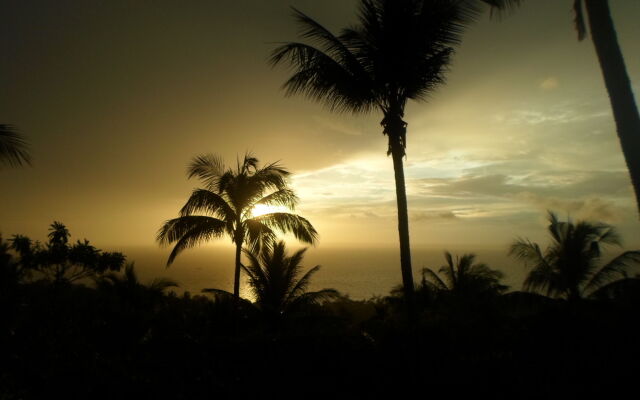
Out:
{"x": 261, "y": 209}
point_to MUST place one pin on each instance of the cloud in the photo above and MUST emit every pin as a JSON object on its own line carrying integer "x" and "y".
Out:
{"x": 592, "y": 209}
{"x": 433, "y": 215}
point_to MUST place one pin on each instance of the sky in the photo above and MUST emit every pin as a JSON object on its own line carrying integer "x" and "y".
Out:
{"x": 115, "y": 97}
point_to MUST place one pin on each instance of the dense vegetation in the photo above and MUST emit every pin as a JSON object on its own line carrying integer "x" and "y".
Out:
{"x": 115, "y": 337}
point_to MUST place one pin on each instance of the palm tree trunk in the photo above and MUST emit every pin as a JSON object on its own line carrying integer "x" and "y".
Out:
{"x": 236, "y": 274}
{"x": 397, "y": 153}
{"x": 236, "y": 289}
{"x": 616, "y": 79}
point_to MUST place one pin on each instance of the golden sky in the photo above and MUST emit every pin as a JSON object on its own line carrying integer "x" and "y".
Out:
{"x": 116, "y": 96}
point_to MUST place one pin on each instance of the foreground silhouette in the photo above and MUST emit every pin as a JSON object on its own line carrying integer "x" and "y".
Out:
{"x": 274, "y": 279}
{"x": 569, "y": 268}
{"x": 463, "y": 277}
{"x": 398, "y": 51}
{"x": 225, "y": 206}
{"x": 120, "y": 339}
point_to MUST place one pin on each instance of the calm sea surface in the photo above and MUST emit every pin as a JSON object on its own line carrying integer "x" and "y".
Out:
{"x": 358, "y": 272}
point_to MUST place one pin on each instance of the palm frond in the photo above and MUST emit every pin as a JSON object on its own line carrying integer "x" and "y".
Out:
{"x": 13, "y": 147}
{"x": 290, "y": 223}
{"x": 615, "y": 269}
{"x": 209, "y": 168}
{"x": 270, "y": 177}
{"x": 501, "y": 7}
{"x": 259, "y": 277}
{"x": 299, "y": 287}
{"x": 258, "y": 235}
{"x": 208, "y": 202}
{"x": 283, "y": 197}
{"x": 434, "y": 279}
{"x": 189, "y": 231}
{"x": 331, "y": 44}
{"x": 607, "y": 234}
{"x": 449, "y": 270}
{"x": 321, "y": 78}
{"x": 313, "y": 298}
{"x": 527, "y": 251}
{"x": 543, "y": 279}
{"x": 620, "y": 289}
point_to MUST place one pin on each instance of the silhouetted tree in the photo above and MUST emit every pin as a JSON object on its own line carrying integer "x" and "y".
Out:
{"x": 13, "y": 147}
{"x": 60, "y": 262}
{"x": 569, "y": 267}
{"x": 398, "y": 51}
{"x": 11, "y": 272}
{"x": 274, "y": 278}
{"x": 226, "y": 204}
{"x": 461, "y": 276}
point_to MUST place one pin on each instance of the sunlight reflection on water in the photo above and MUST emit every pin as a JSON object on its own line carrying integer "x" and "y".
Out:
{"x": 360, "y": 273}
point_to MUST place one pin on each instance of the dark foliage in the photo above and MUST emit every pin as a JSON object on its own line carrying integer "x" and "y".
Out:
{"x": 58, "y": 261}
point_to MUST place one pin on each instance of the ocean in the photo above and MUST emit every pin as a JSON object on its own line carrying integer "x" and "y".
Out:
{"x": 360, "y": 273}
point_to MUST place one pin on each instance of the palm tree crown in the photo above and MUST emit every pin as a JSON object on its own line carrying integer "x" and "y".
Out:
{"x": 273, "y": 277}
{"x": 463, "y": 276}
{"x": 569, "y": 267}
{"x": 399, "y": 50}
{"x": 225, "y": 205}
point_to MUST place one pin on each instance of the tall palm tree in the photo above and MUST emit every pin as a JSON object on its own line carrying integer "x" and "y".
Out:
{"x": 225, "y": 206}
{"x": 569, "y": 267}
{"x": 275, "y": 283}
{"x": 398, "y": 51}
{"x": 13, "y": 147}
{"x": 462, "y": 276}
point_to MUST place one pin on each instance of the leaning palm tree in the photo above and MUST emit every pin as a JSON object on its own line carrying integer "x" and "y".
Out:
{"x": 13, "y": 147}
{"x": 275, "y": 283}
{"x": 398, "y": 51}
{"x": 570, "y": 266}
{"x": 461, "y": 276}
{"x": 225, "y": 207}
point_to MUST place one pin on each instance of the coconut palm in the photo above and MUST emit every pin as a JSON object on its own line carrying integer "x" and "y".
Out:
{"x": 13, "y": 147}
{"x": 275, "y": 282}
{"x": 461, "y": 276}
{"x": 398, "y": 51}
{"x": 225, "y": 206}
{"x": 570, "y": 266}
